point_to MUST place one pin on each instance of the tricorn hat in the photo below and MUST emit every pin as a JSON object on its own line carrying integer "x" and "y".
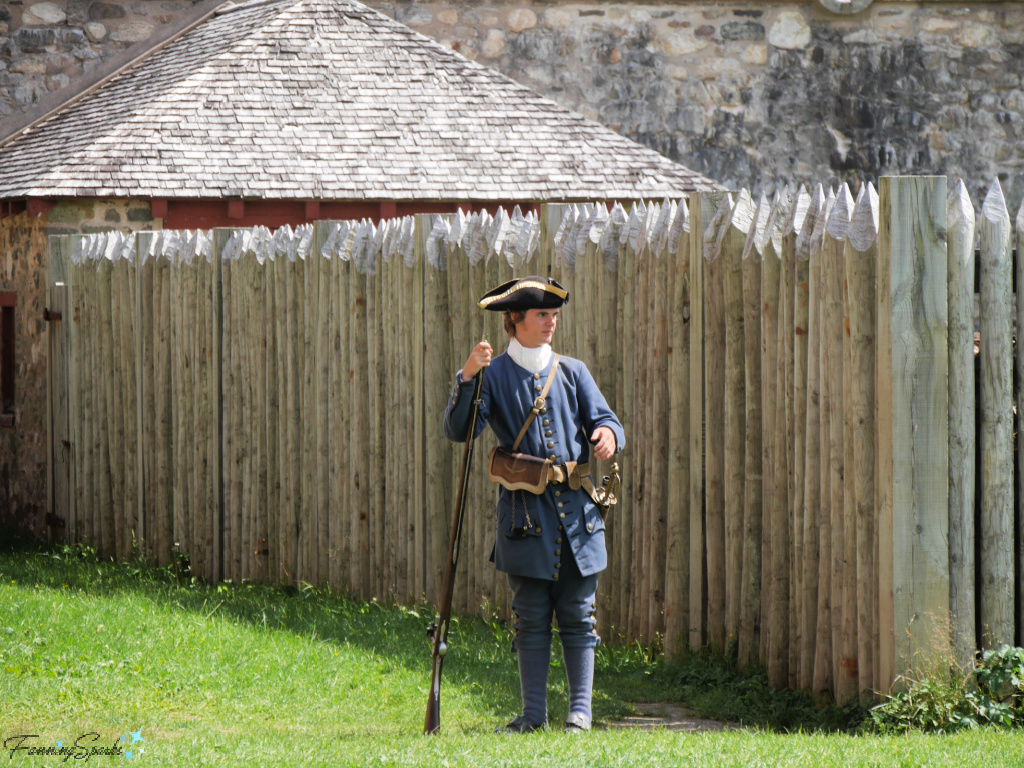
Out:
{"x": 525, "y": 293}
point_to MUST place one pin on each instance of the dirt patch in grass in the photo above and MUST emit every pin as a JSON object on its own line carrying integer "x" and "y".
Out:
{"x": 663, "y": 714}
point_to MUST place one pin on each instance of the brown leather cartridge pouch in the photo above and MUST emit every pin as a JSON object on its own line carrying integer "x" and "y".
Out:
{"x": 519, "y": 471}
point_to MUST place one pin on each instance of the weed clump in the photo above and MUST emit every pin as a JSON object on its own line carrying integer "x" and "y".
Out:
{"x": 989, "y": 694}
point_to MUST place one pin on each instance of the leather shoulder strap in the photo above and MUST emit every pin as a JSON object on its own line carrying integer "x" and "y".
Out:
{"x": 537, "y": 404}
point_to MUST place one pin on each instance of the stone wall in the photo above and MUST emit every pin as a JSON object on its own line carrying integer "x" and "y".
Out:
{"x": 23, "y": 269}
{"x": 757, "y": 93}
{"x": 750, "y": 93}
{"x": 47, "y": 44}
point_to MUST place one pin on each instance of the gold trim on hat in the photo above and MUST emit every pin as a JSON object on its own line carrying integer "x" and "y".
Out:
{"x": 487, "y": 300}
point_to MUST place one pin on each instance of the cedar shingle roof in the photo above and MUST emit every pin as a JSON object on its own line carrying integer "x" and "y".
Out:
{"x": 324, "y": 99}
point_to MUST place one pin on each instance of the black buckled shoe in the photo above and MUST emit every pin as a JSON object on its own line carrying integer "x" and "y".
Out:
{"x": 519, "y": 724}
{"x": 576, "y": 723}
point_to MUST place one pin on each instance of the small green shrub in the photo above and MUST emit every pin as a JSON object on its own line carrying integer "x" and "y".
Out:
{"x": 992, "y": 693}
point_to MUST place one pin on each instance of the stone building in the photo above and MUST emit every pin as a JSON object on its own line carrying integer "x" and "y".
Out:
{"x": 274, "y": 112}
{"x": 751, "y": 93}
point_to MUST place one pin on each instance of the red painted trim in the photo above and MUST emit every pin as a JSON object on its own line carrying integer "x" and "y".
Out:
{"x": 37, "y": 208}
{"x": 206, "y": 214}
{"x": 8, "y": 299}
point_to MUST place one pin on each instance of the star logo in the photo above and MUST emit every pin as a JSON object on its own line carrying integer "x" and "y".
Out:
{"x": 136, "y": 735}
{"x": 60, "y": 744}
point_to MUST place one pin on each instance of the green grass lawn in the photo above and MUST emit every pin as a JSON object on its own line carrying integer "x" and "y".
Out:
{"x": 259, "y": 675}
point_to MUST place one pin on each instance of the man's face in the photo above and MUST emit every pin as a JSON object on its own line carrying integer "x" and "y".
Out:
{"x": 537, "y": 327}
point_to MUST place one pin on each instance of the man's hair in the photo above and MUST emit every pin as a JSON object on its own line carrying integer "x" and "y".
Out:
{"x": 511, "y": 317}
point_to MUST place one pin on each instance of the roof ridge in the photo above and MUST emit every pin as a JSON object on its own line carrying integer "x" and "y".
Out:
{"x": 231, "y": 6}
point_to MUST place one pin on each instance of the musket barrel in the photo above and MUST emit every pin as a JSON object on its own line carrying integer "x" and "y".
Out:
{"x": 432, "y": 721}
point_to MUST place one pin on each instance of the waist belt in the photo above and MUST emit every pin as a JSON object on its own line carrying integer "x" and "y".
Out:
{"x": 571, "y": 473}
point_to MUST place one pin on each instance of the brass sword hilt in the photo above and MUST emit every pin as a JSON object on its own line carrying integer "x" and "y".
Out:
{"x": 607, "y": 495}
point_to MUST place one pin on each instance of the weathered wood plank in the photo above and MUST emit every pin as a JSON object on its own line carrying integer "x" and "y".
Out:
{"x": 641, "y": 577}
{"x": 801, "y": 216}
{"x": 76, "y": 435}
{"x": 844, "y": 646}
{"x": 1019, "y": 349}
{"x": 996, "y": 430}
{"x": 702, "y": 209}
{"x": 119, "y": 474}
{"x": 625, "y": 388}
{"x": 260, "y": 324}
{"x": 58, "y": 363}
{"x": 339, "y": 408}
{"x": 106, "y": 399}
{"x": 913, "y": 473}
{"x": 774, "y": 584}
{"x": 861, "y": 254}
{"x": 359, "y": 428}
{"x": 823, "y": 675}
{"x": 163, "y": 386}
{"x": 735, "y": 407}
{"x": 753, "y": 498}
{"x": 289, "y": 283}
{"x": 217, "y": 437}
{"x": 437, "y": 384}
{"x": 804, "y": 634}
{"x": 805, "y": 241}
{"x": 677, "y": 548}
{"x": 326, "y": 509}
{"x": 714, "y": 395}
{"x": 421, "y": 314}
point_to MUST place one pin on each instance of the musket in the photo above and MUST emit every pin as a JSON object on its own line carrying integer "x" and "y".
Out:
{"x": 438, "y": 631}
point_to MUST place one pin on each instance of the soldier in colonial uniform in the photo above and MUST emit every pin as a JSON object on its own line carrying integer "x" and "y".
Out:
{"x": 547, "y": 413}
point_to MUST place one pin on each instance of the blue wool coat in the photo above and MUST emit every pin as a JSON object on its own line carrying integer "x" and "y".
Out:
{"x": 560, "y": 516}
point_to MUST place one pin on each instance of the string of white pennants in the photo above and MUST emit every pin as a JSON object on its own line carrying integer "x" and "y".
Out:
{"x": 479, "y": 235}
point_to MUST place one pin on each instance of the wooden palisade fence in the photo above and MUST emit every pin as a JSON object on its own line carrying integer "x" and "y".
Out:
{"x": 797, "y": 379}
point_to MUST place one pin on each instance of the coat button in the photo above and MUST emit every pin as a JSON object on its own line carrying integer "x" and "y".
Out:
{"x": 558, "y": 552}
{"x": 551, "y": 445}
{"x": 558, "y": 540}
{"x": 590, "y": 526}
{"x": 543, "y": 410}
{"x": 561, "y": 528}
{"x": 557, "y": 494}
{"x": 538, "y": 388}
{"x": 537, "y": 529}
{"x": 561, "y": 515}
{"x": 548, "y": 433}
{"x": 558, "y": 565}
{"x": 536, "y": 376}
{"x": 561, "y": 504}
{"x": 553, "y": 457}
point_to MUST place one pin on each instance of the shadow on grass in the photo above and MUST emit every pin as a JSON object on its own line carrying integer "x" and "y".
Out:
{"x": 480, "y": 660}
